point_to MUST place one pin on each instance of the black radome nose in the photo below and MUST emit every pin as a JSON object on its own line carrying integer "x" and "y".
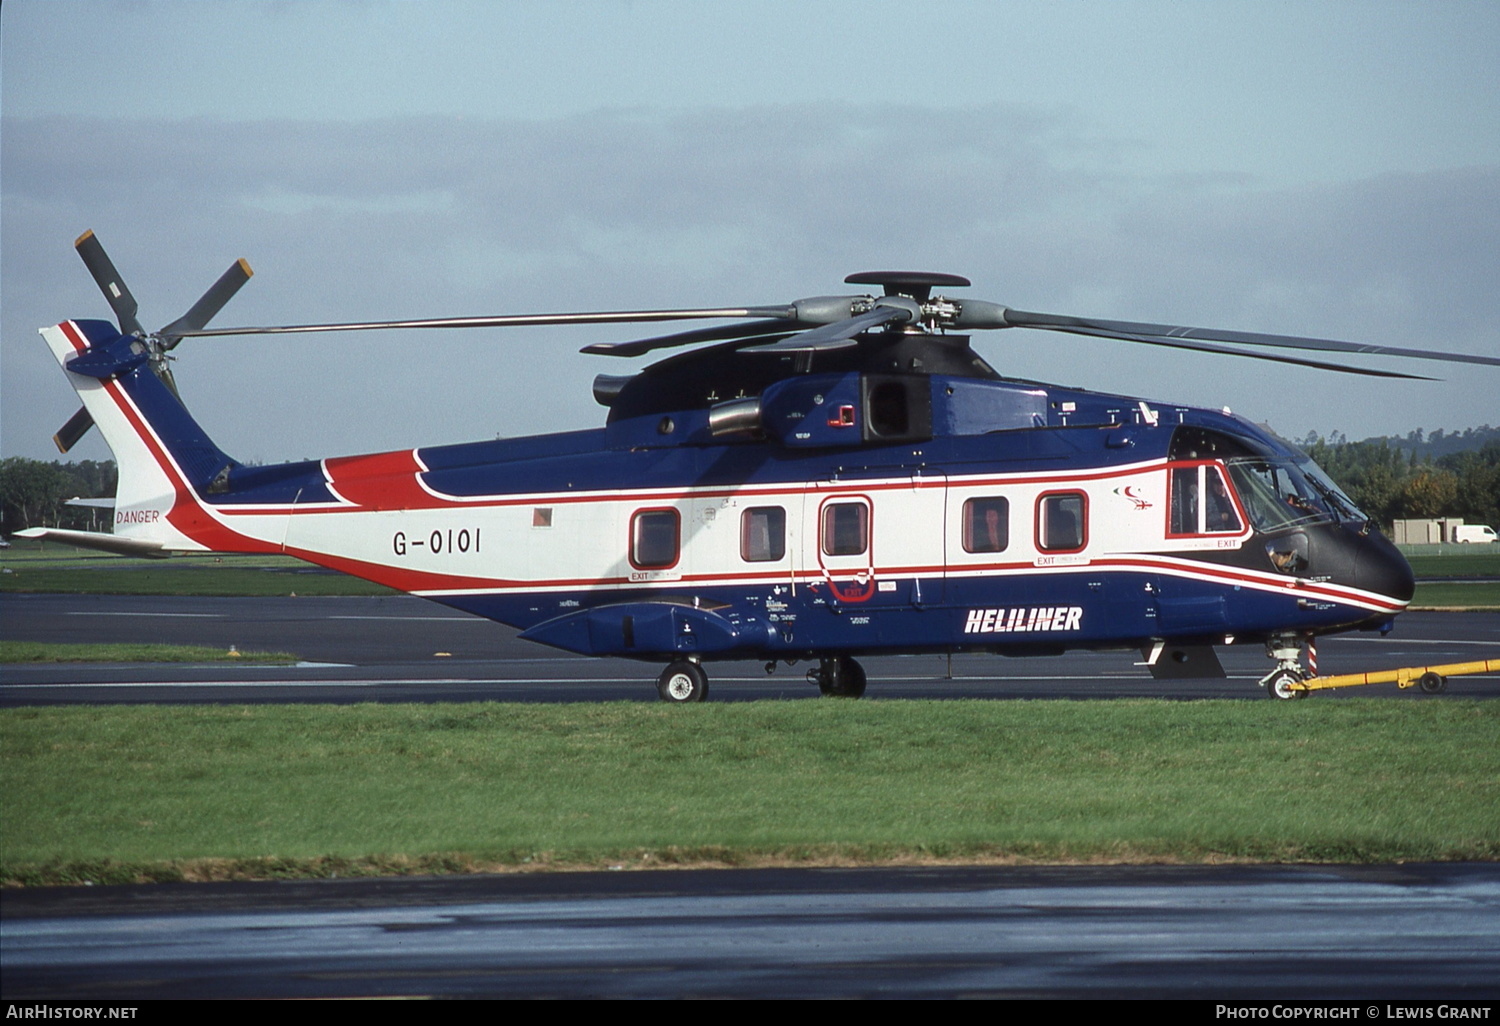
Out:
{"x": 1380, "y": 567}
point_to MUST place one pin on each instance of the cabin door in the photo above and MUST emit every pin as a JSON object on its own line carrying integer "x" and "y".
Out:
{"x": 876, "y": 542}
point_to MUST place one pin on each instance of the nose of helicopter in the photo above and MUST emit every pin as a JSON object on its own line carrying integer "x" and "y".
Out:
{"x": 1380, "y": 567}
{"x": 1346, "y": 554}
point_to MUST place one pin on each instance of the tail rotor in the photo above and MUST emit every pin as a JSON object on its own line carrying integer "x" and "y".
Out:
{"x": 123, "y": 303}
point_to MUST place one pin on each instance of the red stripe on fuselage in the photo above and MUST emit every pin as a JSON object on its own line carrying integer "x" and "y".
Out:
{"x": 381, "y": 481}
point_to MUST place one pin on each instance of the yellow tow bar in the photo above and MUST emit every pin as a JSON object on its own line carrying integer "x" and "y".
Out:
{"x": 1431, "y": 679}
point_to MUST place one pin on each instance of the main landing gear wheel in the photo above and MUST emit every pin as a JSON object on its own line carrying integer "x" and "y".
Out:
{"x": 840, "y": 677}
{"x": 1280, "y": 685}
{"x": 1432, "y": 683}
{"x": 682, "y": 682}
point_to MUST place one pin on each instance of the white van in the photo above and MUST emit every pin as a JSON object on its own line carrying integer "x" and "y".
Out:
{"x": 1481, "y": 534}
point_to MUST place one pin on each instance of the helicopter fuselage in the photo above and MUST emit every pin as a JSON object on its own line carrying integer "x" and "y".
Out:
{"x": 861, "y": 509}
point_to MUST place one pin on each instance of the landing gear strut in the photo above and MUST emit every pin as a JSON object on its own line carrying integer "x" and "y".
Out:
{"x": 838, "y": 677}
{"x": 681, "y": 682}
{"x": 1283, "y": 681}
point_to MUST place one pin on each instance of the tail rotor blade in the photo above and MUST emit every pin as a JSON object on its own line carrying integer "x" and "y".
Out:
{"x": 109, "y": 282}
{"x": 77, "y": 426}
{"x": 209, "y": 304}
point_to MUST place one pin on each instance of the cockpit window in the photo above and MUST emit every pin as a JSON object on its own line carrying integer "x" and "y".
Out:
{"x": 1284, "y": 493}
{"x": 1341, "y": 504}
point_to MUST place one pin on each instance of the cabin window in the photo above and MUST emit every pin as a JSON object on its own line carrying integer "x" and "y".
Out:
{"x": 1062, "y": 523}
{"x": 987, "y": 524}
{"x": 846, "y": 528}
{"x": 655, "y": 539}
{"x": 763, "y": 534}
{"x": 1201, "y": 502}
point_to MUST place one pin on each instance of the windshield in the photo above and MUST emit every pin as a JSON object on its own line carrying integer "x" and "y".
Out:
{"x": 1342, "y": 506}
{"x": 1285, "y": 493}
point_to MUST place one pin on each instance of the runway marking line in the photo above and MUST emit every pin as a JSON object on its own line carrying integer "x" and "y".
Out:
{"x": 200, "y": 616}
{"x": 441, "y": 619}
{"x": 1403, "y": 641}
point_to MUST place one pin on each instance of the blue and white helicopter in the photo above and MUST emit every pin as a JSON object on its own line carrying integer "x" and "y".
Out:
{"x": 834, "y": 477}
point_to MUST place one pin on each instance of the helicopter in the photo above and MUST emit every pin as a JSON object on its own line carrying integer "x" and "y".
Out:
{"x": 835, "y": 477}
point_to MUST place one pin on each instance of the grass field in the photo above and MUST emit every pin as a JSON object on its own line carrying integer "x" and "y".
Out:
{"x": 32, "y": 567}
{"x": 1484, "y": 561}
{"x": 235, "y": 791}
{"x": 37, "y": 652}
{"x": 1486, "y": 555}
{"x": 1469, "y": 595}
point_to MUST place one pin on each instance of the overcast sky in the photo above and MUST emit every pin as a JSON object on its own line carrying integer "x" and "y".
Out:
{"x": 1328, "y": 169}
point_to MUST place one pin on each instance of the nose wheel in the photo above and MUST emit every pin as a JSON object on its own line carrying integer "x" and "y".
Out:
{"x": 1285, "y": 681}
{"x": 1283, "y": 685}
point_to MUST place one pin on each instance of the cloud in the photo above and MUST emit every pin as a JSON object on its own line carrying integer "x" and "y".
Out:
{"x": 631, "y": 208}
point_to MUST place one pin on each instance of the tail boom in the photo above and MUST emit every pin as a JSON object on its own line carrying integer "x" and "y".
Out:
{"x": 162, "y": 454}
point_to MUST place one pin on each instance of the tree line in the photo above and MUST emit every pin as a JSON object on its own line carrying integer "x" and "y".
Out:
{"x": 34, "y": 493}
{"x": 1399, "y": 479}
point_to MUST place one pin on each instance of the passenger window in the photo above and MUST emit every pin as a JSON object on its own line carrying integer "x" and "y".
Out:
{"x": 987, "y": 525}
{"x": 1062, "y": 522}
{"x": 846, "y": 528}
{"x": 763, "y": 534}
{"x": 655, "y": 536}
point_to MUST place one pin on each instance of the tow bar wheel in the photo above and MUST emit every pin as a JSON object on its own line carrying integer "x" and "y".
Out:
{"x": 1432, "y": 683}
{"x": 682, "y": 682}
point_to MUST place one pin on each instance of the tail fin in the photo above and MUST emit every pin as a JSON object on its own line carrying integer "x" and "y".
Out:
{"x": 165, "y": 460}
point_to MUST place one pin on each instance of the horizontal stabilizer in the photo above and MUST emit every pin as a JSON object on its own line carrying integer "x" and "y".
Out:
{"x": 97, "y": 540}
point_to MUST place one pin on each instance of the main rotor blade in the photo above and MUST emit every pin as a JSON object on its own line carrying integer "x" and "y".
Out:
{"x": 109, "y": 282}
{"x": 209, "y": 304}
{"x": 508, "y": 321}
{"x": 839, "y": 334}
{"x": 752, "y": 329}
{"x": 1209, "y": 347}
{"x": 1133, "y": 331}
{"x": 77, "y": 426}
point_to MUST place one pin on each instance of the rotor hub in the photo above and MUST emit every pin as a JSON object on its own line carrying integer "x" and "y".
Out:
{"x": 914, "y": 285}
